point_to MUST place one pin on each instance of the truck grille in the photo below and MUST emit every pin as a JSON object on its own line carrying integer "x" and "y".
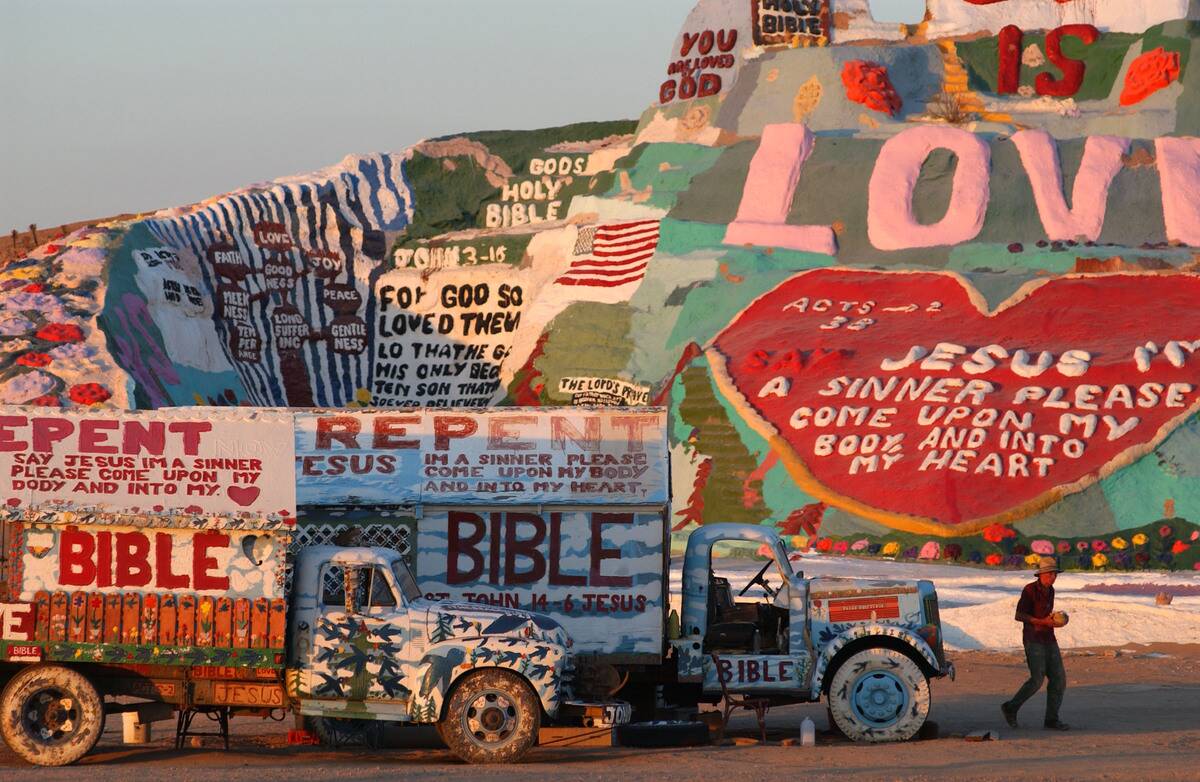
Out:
{"x": 932, "y": 617}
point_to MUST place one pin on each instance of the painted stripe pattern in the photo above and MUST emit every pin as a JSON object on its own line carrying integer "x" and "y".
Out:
{"x": 348, "y": 210}
{"x": 618, "y": 255}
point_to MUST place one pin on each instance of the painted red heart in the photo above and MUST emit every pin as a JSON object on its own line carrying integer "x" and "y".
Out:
{"x": 792, "y": 357}
{"x": 243, "y": 495}
{"x": 14, "y": 502}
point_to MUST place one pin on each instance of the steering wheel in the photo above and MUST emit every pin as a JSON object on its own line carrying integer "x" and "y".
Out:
{"x": 761, "y": 582}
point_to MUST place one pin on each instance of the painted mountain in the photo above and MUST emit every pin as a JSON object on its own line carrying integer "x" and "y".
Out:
{"x": 911, "y": 291}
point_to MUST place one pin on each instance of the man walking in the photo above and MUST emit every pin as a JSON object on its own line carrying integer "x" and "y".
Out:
{"x": 1035, "y": 610}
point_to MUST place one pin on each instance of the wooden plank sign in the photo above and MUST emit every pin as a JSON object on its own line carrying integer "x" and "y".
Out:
{"x": 166, "y": 620}
{"x": 187, "y": 621}
{"x": 204, "y": 621}
{"x": 59, "y": 603}
{"x": 277, "y": 629}
{"x": 95, "y": 618}
{"x": 223, "y": 625}
{"x": 131, "y": 617}
{"x": 41, "y": 630}
{"x": 259, "y": 620}
{"x": 241, "y": 623}
{"x": 112, "y": 619}
{"x": 77, "y": 626}
{"x": 150, "y": 619}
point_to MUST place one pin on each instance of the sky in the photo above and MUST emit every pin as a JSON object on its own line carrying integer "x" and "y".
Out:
{"x": 113, "y": 106}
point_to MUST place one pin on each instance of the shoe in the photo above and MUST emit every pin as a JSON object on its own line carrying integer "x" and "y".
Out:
{"x": 1057, "y": 725}
{"x": 1010, "y": 715}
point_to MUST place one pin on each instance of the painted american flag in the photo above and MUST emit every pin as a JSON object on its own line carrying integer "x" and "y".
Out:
{"x": 609, "y": 256}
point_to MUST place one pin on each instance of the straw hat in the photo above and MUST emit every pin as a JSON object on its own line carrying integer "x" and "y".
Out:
{"x": 1048, "y": 565}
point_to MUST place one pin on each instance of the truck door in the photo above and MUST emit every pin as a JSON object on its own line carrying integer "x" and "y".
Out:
{"x": 360, "y": 637}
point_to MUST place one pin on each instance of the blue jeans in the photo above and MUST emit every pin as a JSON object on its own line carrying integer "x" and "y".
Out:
{"x": 1045, "y": 662}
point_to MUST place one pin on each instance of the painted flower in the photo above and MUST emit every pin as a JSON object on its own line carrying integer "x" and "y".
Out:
{"x": 1099, "y": 560}
{"x": 799, "y": 541}
{"x": 1015, "y": 560}
{"x": 1140, "y": 539}
{"x": 60, "y": 332}
{"x": 1043, "y": 547}
{"x": 931, "y": 550}
{"x": 953, "y": 551}
{"x": 1082, "y": 545}
{"x": 994, "y": 559}
{"x": 1123, "y": 560}
{"x": 1148, "y": 74}
{"x": 1142, "y": 558}
{"x": 975, "y": 557}
{"x": 1064, "y": 547}
{"x": 824, "y": 545}
{"x": 1165, "y": 531}
{"x": 868, "y": 83}
{"x": 1196, "y": 566}
{"x": 89, "y": 394}
{"x": 998, "y": 532}
{"x": 1099, "y": 545}
{"x": 841, "y": 547}
{"x": 34, "y": 360}
{"x": 891, "y": 549}
{"x": 1020, "y": 549}
{"x": 860, "y": 545}
{"x": 1033, "y": 559}
{"x": 34, "y": 287}
{"x": 1196, "y": 535}
{"x": 1179, "y": 547}
{"x": 874, "y": 549}
{"x": 910, "y": 553}
{"x": 46, "y": 400}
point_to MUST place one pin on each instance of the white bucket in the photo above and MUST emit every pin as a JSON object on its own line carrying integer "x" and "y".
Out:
{"x": 134, "y": 732}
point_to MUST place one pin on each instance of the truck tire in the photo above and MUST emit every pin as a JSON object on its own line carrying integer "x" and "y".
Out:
{"x": 492, "y": 717}
{"x": 879, "y": 695}
{"x": 50, "y": 715}
{"x": 650, "y": 735}
{"x": 341, "y": 732}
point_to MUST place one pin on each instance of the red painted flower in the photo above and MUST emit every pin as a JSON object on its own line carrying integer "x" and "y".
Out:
{"x": 998, "y": 532}
{"x": 34, "y": 360}
{"x": 34, "y": 287}
{"x": 1165, "y": 531}
{"x": 1148, "y": 74}
{"x": 1099, "y": 545}
{"x": 89, "y": 394}
{"x": 868, "y": 83}
{"x": 1064, "y": 547}
{"x": 994, "y": 559}
{"x": 1179, "y": 547}
{"x": 60, "y": 332}
{"x": 824, "y": 544}
{"x": 841, "y": 547}
{"x": 47, "y": 400}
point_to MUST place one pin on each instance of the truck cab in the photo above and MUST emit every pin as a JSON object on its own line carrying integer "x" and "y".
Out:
{"x": 869, "y": 646}
{"x": 366, "y": 645}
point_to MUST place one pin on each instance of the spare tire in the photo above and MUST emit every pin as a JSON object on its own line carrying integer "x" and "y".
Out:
{"x": 649, "y": 735}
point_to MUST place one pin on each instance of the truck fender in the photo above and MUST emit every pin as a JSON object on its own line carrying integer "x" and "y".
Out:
{"x": 903, "y": 634}
{"x": 542, "y": 665}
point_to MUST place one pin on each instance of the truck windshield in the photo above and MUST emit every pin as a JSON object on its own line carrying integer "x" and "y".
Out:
{"x": 405, "y": 580}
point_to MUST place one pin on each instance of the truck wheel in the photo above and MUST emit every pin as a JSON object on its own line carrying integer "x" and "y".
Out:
{"x": 340, "y": 732}
{"x": 51, "y": 716}
{"x": 879, "y": 695}
{"x": 493, "y": 717}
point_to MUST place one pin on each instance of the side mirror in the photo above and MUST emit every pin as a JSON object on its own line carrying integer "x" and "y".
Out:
{"x": 350, "y": 585}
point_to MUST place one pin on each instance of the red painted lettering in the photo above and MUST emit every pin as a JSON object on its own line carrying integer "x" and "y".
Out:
{"x": 8, "y": 438}
{"x": 104, "y": 569}
{"x": 599, "y": 553}
{"x": 202, "y": 563}
{"x": 163, "y": 548}
{"x": 150, "y": 436}
{"x": 501, "y": 438}
{"x": 1073, "y": 70}
{"x": 93, "y": 436}
{"x": 515, "y": 547}
{"x": 458, "y": 545}
{"x": 556, "y": 576}
{"x": 48, "y": 431}
{"x": 389, "y": 431}
{"x": 191, "y": 431}
{"x": 452, "y": 427}
{"x": 133, "y": 560}
{"x": 343, "y": 428}
{"x": 1008, "y": 80}
{"x": 75, "y": 552}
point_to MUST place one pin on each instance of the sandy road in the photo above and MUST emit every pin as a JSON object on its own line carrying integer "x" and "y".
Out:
{"x": 1136, "y": 716}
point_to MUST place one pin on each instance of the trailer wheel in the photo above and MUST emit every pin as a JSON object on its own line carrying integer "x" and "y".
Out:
{"x": 879, "y": 695}
{"x": 50, "y": 715}
{"x": 493, "y": 717}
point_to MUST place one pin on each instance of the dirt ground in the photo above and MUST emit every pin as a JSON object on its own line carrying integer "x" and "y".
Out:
{"x": 1135, "y": 714}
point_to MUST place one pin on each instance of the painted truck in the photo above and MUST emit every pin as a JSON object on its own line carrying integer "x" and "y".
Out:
{"x": 567, "y": 511}
{"x": 155, "y": 555}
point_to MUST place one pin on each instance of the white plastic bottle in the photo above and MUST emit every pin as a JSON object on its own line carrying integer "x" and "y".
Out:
{"x": 808, "y": 733}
